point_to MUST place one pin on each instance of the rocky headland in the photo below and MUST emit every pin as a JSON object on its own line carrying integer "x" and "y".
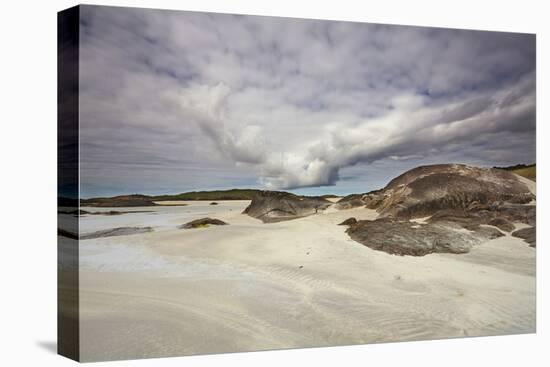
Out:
{"x": 459, "y": 206}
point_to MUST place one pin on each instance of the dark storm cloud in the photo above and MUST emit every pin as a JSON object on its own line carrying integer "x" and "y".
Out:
{"x": 288, "y": 103}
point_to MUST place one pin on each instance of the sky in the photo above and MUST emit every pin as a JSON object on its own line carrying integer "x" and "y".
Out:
{"x": 174, "y": 101}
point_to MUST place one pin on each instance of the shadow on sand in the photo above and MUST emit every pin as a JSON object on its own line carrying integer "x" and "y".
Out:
{"x": 48, "y": 345}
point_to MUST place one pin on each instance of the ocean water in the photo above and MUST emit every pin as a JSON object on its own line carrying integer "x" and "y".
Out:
{"x": 158, "y": 217}
{"x": 130, "y": 253}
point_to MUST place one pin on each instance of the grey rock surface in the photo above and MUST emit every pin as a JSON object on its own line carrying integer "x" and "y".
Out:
{"x": 203, "y": 222}
{"x": 464, "y": 206}
{"x": 425, "y": 190}
{"x": 403, "y": 237}
{"x": 348, "y": 222}
{"x": 275, "y": 206}
{"x": 528, "y": 234}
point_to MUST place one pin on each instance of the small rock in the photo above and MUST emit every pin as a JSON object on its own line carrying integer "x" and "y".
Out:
{"x": 527, "y": 234}
{"x": 203, "y": 222}
{"x": 348, "y": 222}
{"x": 502, "y": 224}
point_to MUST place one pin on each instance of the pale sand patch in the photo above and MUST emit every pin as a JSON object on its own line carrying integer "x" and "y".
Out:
{"x": 520, "y": 226}
{"x": 422, "y": 220}
{"x": 531, "y": 185}
{"x": 334, "y": 200}
{"x": 197, "y": 202}
{"x": 302, "y": 283}
{"x": 171, "y": 202}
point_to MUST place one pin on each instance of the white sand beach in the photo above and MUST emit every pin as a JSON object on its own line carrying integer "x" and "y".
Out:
{"x": 252, "y": 286}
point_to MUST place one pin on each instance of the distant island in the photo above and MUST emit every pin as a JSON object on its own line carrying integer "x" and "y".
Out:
{"x": 136, "y": 200}
{"x": 150, "y": 200}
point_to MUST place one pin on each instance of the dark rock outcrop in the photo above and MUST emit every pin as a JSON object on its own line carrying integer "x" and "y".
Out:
{"x": 348, "y": 222}
{"x": 425, "y": 190}
{"x": 528, "y": 234}
{"x": 463, "y": 204}
{"x": 275, "y": 206}
{"x": 403, "y": 237}
{"x": 473, "y": 219}
{"x": 119, "y": 201}
{"x": 120, "y": 231}
{"x": 370, "y": 200}
{"x": 517, "y": 213}
{"x": 203, "y": 222}
{"x": 502, "y": 224}
{"x": 351, "y": 201}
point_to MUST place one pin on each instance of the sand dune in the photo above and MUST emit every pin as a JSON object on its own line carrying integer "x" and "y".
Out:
{"x": 302, "y": 283}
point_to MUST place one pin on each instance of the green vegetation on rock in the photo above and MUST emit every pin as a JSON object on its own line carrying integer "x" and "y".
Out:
{"x": 527, "y": 171}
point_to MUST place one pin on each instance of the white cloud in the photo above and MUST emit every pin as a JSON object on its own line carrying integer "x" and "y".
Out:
{"x": 289, "y": 103}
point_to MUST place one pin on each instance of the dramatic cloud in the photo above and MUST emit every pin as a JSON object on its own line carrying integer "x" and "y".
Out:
{"x": 173, "y": 101}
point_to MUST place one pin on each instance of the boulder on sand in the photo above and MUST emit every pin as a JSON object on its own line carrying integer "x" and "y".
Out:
{"x": 502, "y": 224}
{"x": 348, "y": 222}
{"x": 202, "y": 223}
{"x": 528, "y": 234}
{"x": 403, "y": 237}
{"x": 275, "y": 206}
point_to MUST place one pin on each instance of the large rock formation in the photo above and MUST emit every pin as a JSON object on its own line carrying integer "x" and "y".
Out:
{"x": 464, "y": 206}
{"x": 274, "y": 206}
{"x": 403, "y": 237}
{"x": 425, "y": 190}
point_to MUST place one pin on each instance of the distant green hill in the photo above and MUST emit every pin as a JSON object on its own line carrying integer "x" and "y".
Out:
{"x": 527, "y": 171}
{"x": 233, "y": 194}
{"x": 147, "y": 200}
{"x": 119, "y": 201}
